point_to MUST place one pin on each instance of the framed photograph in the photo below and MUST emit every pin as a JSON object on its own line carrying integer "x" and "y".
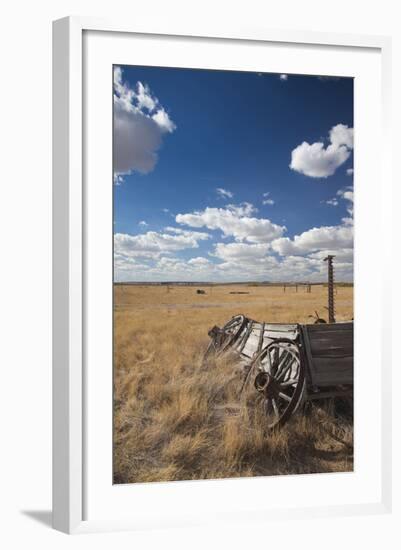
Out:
{"x": 213, "y": 316}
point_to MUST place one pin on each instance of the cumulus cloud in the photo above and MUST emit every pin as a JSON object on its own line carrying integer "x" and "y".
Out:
{"x": 187, "y": 233}
{"x": 200, "y": 261}
{"x": 284, "y": 77}
{"x": 240, "y": 251}
{"x": 234, "y": 262}
{"x": 224, "y": 193}
{"x": 350, "y": 171}
{"x": 242, "y": 209}
{"x": 234, "y": 221}
{"x": 254, "y": 248}
{"x": 153, "y": 244}
{"x": 329, "y": 237}
{"x": 140, "y": 123}
{"x": 347, "y": 194}
{"x": 342, "y": 135}
{"x": 316, "y": 160}
{"x": 143, "y": 223}
{"x": 343, "y": 255}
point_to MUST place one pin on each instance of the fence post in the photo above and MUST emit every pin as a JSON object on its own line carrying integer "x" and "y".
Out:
{"x": 330, "y": 287}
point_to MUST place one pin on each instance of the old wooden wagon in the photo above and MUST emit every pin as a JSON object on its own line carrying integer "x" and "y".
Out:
{"x": 284, "y": 365}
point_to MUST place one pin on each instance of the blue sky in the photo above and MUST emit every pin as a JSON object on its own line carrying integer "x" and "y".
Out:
{"x": 229, "y": 176}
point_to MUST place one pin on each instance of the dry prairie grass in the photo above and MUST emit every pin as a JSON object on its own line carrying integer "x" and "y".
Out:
{"x": 176, "y": 418}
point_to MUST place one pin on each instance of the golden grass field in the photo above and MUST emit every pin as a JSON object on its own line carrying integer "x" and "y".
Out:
{"x": 175, "y": 417}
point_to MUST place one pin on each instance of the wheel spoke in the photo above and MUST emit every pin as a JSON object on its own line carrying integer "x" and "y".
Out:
{"x": 283, "y": 372}
{"x": 290, "y": 374}
{"x": 284, "y": 396}
{"x": 275, "y": 407}
{"x": 276, "y": 359}
{"x": 282, "y": 361}
{"x": 269, "y": 364}
{"x": 272, "y": 362}
{"x": 287, "y": 383}
{"x": 284, "y": 364}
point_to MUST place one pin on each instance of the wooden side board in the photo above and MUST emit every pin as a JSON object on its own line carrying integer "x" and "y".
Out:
{"x": 329, "y": 352}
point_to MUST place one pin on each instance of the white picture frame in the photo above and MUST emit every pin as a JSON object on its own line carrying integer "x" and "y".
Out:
{"x": 70, "y": 256}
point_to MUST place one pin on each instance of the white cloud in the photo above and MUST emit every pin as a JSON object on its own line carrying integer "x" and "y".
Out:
{"x": 118, "y": 179}
{"x": 343, "y": 255}
{"x": 347, "y": 194}
{"x": 332, "y": 202}
{"x": 234, "y": 221}
{"x": 267, "y": 199}
{"x": 139, "y": 125}
{"x": 236, "y": 261}
{"x": 350, "y": 171}
{"x": 187, "y": 233}
{"x": 257, "y": 250}
{"x": 224, "y": 193}
{"x": 240, "y": 251}
{"x": 330, "y": 237}
{"x": 316, "y": 161}
{"x": 163, "y": 121}
{"x": 242, "y": 209}
{"x": 144, "y": 97}
{"x": 143, "y": 223}
{"x": 284, "y": 77}
{"x": 342, "y": 135}
{"x": 199, "y": 262}
{"x": 153, "y": 244}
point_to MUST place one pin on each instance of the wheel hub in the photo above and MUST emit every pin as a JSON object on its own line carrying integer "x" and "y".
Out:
{"x": 264, "y": 383}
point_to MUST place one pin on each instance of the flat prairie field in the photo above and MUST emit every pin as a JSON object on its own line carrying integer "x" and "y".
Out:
{"x": 177, "y": 417}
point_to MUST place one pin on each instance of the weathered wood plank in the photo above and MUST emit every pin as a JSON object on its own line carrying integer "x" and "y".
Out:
{"x": 245, "y": 338}
{"x": 272, "y": 327}
{"x": 333, "y": 371}
{"x": 261, "y": 335}
{"x": 332, "y": 343}
{"x": 329, "y": 351}
{"x": 326, "y": 328}
{"x": 276, "y": 334}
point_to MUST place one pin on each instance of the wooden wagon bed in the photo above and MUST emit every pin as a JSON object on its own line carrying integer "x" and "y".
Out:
{"x": 288, "y": 363}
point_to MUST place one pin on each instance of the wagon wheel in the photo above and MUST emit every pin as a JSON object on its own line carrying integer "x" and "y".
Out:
{"x": 278, "y": 376}
{"x": 222, "y": 338}
{"x": 231, "y": 331}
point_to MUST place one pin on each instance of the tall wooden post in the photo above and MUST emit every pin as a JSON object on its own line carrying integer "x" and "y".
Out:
{"x": 330, "y": 287}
